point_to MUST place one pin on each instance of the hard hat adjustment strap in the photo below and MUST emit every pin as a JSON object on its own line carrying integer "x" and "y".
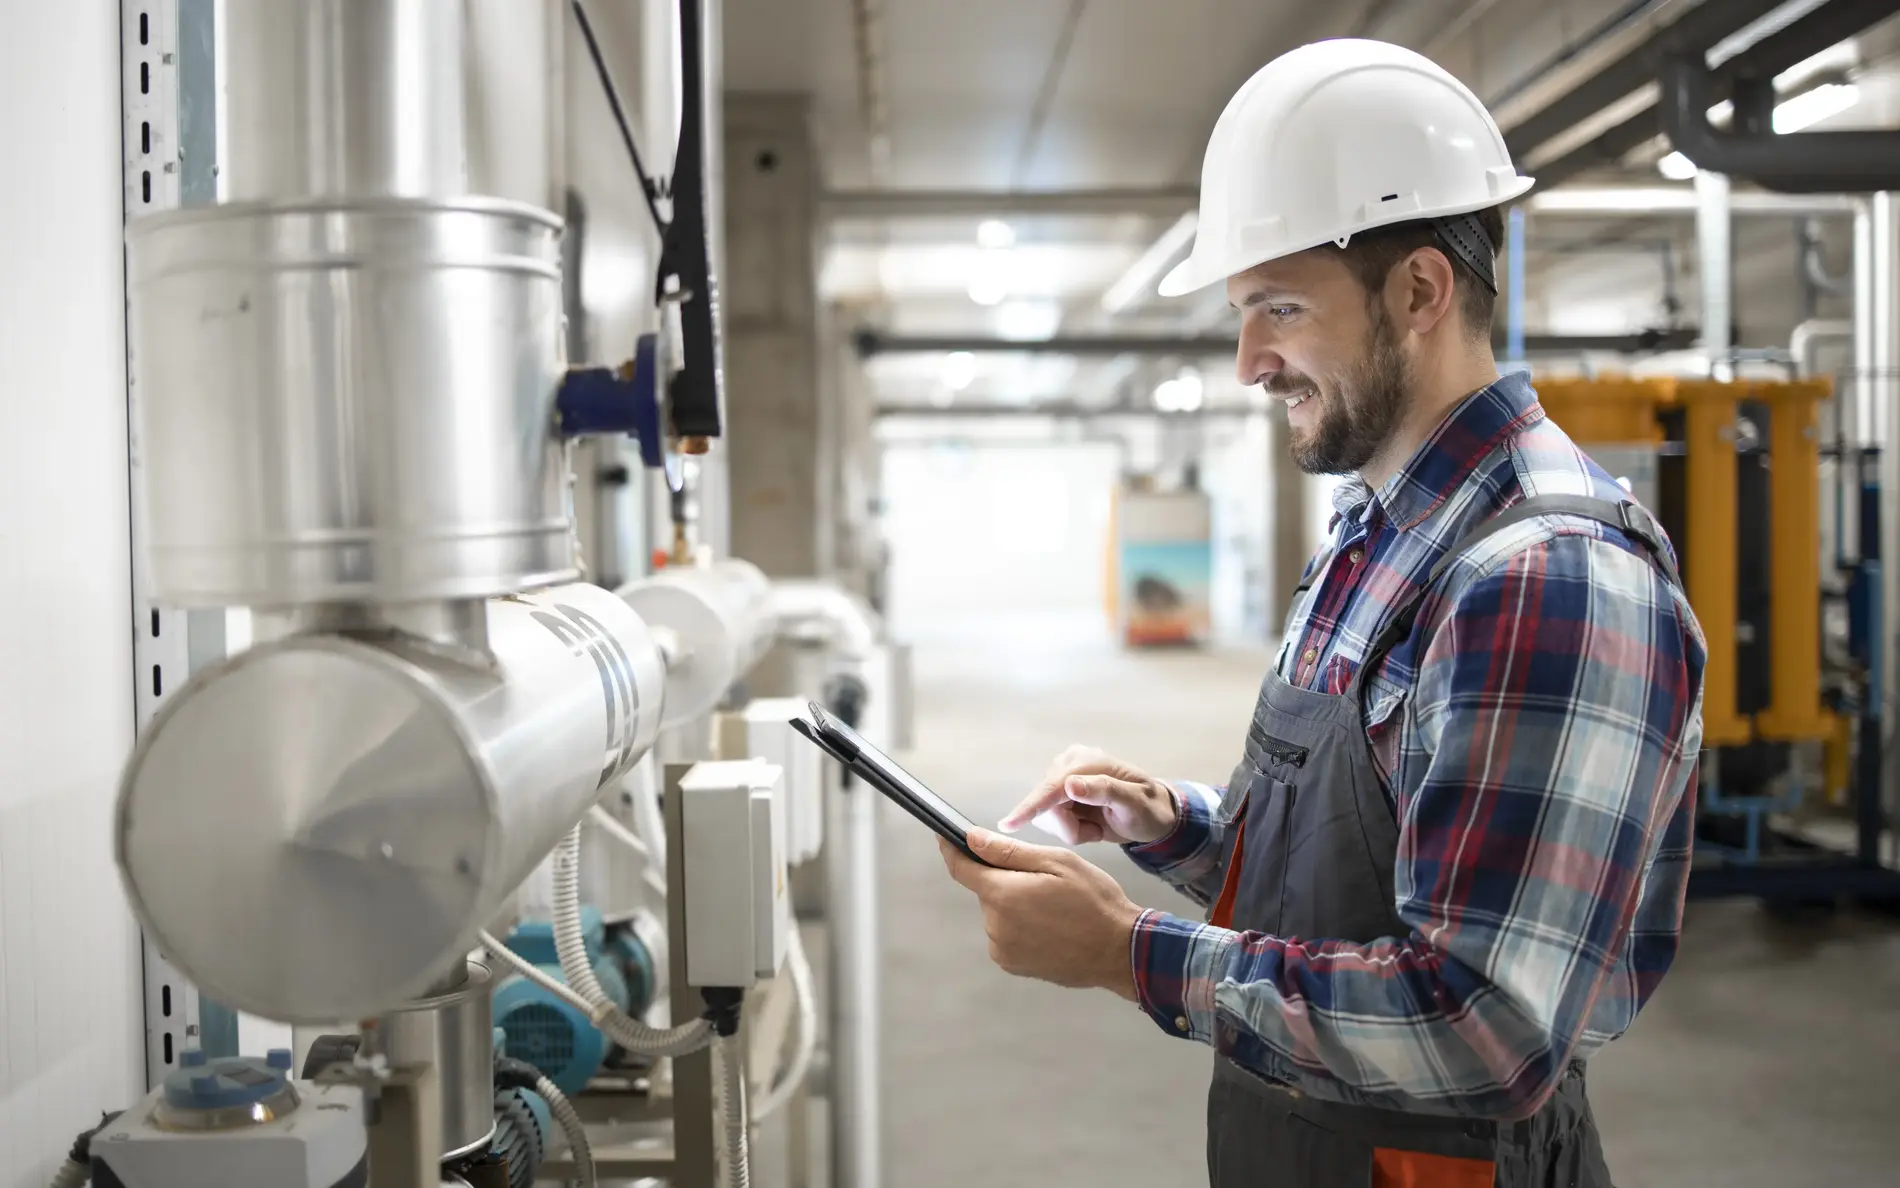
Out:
{"x": 1464, "y": 234}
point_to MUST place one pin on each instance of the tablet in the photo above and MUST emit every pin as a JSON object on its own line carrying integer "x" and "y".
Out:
{"x": 880, "y": 771}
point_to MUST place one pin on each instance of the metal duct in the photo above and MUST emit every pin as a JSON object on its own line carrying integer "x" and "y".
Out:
{"x": 1798, "y": 163}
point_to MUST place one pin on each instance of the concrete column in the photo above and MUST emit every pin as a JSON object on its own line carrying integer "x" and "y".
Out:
{"x": 777, "y": 448}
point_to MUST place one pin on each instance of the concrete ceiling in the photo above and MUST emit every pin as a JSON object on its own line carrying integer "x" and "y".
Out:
{"x": 1075, "y": 94}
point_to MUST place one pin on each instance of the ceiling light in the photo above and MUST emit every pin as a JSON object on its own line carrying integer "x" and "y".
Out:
{"x": 995, "y": 233}
{"x": 1676, "y": 167}
{"x": 991, "y": 283}
{"x": 1180, "y": 394}
{"x": 1146, "y": 271}
{"x": 1811, "y": 107}
{"x": 1028, "y": 321}
{"x": 959, "y": 368}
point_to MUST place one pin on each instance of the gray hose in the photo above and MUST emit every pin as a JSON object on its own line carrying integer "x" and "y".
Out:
{"x": 729, "y": 1082}
{"x": 578, "y": 1148}
{"x": 71, "y": 1175}
{"x": 571, "y": 946}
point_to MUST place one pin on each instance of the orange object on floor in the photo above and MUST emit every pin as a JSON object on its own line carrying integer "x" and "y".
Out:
{"x": 1415, "y": 1169}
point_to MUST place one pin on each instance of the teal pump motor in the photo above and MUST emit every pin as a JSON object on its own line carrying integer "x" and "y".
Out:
{"x": 548, "y": 1032}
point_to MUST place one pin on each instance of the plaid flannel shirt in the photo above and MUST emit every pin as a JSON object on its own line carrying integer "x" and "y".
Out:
{"x": 1540, "y": 755}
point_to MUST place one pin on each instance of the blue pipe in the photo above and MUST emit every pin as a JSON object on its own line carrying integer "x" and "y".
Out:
{"x": 1514, "y": 261}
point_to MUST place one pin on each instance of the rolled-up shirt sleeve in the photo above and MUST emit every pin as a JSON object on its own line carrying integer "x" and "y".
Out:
{"x": 1189, "y": 856}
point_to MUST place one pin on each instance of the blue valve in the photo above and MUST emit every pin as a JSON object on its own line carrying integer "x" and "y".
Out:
{"x": 596, "y": 401}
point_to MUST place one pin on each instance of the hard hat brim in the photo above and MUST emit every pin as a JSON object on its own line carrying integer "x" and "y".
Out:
{"x": 1196, "y": 273}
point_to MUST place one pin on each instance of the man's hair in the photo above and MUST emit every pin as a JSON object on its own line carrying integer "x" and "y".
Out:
{"x": 1371, "y": 254}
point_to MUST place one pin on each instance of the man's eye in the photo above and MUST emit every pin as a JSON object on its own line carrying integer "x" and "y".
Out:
{"x": 1283, "y": 311}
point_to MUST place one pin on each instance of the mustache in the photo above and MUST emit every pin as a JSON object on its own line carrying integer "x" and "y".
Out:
{"x": 1288, "y": 383}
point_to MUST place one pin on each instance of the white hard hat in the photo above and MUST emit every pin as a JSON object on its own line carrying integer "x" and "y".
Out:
{"x": 1335, "y": 138}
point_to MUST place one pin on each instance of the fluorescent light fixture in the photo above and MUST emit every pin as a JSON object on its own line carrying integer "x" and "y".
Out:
{"x": 995, "y": 233}
{"x": 1811, "y": 107}
{"x": 992, "y": 280}
{"x": 1146, "y": 271}
{"x": 1676, "y": 167}
{"x": 1028, "y": 321}
{"x": 959, "y": 369}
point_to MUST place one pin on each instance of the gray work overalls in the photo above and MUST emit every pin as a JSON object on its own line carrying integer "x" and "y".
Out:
{"x": 1318, "y": 852}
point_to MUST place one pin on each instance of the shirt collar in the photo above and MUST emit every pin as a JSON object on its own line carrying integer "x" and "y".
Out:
{"x": 1462, "y": 440}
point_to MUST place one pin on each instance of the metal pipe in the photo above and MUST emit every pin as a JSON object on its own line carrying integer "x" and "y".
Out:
{"x": 317, "y": 828}
{"x": 1810, "y": 335}
{"x": 720, "y": 620}
{"x": 855, "y": 1025}
{"x": 870, "y": 342}
{"x": 1883, "y": 394}
{"x": 1713, "y": 252}
{"x": 1679, "y": 200}
{"x": 1796, "y": 163}
{"x": 1514, "y": 259}
{"x": 1160, "y": 202}
{"x": 828, "y": 611}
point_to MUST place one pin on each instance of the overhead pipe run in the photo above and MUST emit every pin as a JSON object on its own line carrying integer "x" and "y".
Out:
{"x": 1697, "y": 35}
{"x": 1794, "y": 163}
{"x": 871, "y": 342}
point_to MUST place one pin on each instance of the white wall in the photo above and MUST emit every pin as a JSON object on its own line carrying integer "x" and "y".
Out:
{"x": 991, "y": 532}
{"x": 70, "y": 1024}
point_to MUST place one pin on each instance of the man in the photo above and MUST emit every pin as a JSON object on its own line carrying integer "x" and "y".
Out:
{"x": 1451, "y": 863}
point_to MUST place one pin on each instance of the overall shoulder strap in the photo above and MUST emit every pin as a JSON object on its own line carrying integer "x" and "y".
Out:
{"x": 1623, "y": 515}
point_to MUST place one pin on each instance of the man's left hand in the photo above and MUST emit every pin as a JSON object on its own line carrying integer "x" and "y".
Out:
{"x": 1049, "y": 913}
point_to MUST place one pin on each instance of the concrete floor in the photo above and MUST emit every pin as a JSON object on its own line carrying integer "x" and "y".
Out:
{"x": 1771, "y": 1057}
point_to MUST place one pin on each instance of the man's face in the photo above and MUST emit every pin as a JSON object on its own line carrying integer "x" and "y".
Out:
{"x": 1311, "y": 337}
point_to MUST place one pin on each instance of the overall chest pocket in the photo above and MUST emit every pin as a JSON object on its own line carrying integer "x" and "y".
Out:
{"x": 1273, "y": 768}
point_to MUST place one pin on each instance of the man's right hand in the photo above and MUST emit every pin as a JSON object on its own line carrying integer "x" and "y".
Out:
{"x": 1089, "y": 795}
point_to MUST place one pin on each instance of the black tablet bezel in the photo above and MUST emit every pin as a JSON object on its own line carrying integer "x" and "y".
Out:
{"x": 880, "y": 771}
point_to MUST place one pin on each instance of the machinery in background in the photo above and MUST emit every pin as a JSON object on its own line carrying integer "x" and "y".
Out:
{"x": 271, "y": 1128}
{"x": 1791, "y": 703}
{"x": 547, "y": 1031}
{"x": 1160, "y": 564}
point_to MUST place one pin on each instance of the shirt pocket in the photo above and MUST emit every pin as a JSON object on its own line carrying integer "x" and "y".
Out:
{"x": 1384, "y": 705}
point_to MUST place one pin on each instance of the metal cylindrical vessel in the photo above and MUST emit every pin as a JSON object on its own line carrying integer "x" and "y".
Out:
{"x": 723, "y": 619}
{"x": 328, "y": 99}
{"x": 453, "y": 1031}
{"x": 317, "y": 828}
{"x": 349, "y": 403}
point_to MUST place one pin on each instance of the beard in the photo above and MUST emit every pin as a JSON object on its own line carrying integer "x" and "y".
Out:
{"x": 1359, "y": 414}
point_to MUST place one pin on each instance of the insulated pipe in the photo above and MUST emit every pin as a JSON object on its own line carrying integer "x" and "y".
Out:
{"x": 317, "y": 828}
{"x": 720, "y": 623}
{"x": 827, "y": 611}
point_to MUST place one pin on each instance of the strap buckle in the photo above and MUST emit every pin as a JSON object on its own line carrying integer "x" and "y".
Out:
{"x": 1640, "y": 524}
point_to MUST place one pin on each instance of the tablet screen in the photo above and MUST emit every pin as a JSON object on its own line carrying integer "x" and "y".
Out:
{"x": 878, "y": 759}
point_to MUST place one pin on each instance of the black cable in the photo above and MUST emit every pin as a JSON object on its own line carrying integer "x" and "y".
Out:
{"x": 648, "y": 190}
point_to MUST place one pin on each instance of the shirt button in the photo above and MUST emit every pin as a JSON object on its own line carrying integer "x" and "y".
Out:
{"x": 1356, "y": 556}
{"x": 1309, "y": 655}
{"x": 1180, "y": 1022}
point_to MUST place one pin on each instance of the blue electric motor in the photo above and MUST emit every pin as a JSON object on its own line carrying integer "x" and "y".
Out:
{"x": 546, "y": 1031}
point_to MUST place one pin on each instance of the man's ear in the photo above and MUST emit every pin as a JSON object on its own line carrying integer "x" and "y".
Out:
{"x": 1422, "y": 290}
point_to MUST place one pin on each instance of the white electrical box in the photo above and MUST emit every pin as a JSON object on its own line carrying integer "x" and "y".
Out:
{"x": 769, "y": 736}
{"x": 737, "y": 909}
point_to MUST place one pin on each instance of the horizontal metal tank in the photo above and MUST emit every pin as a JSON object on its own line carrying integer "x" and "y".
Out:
{"x": 316, "y": 829}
